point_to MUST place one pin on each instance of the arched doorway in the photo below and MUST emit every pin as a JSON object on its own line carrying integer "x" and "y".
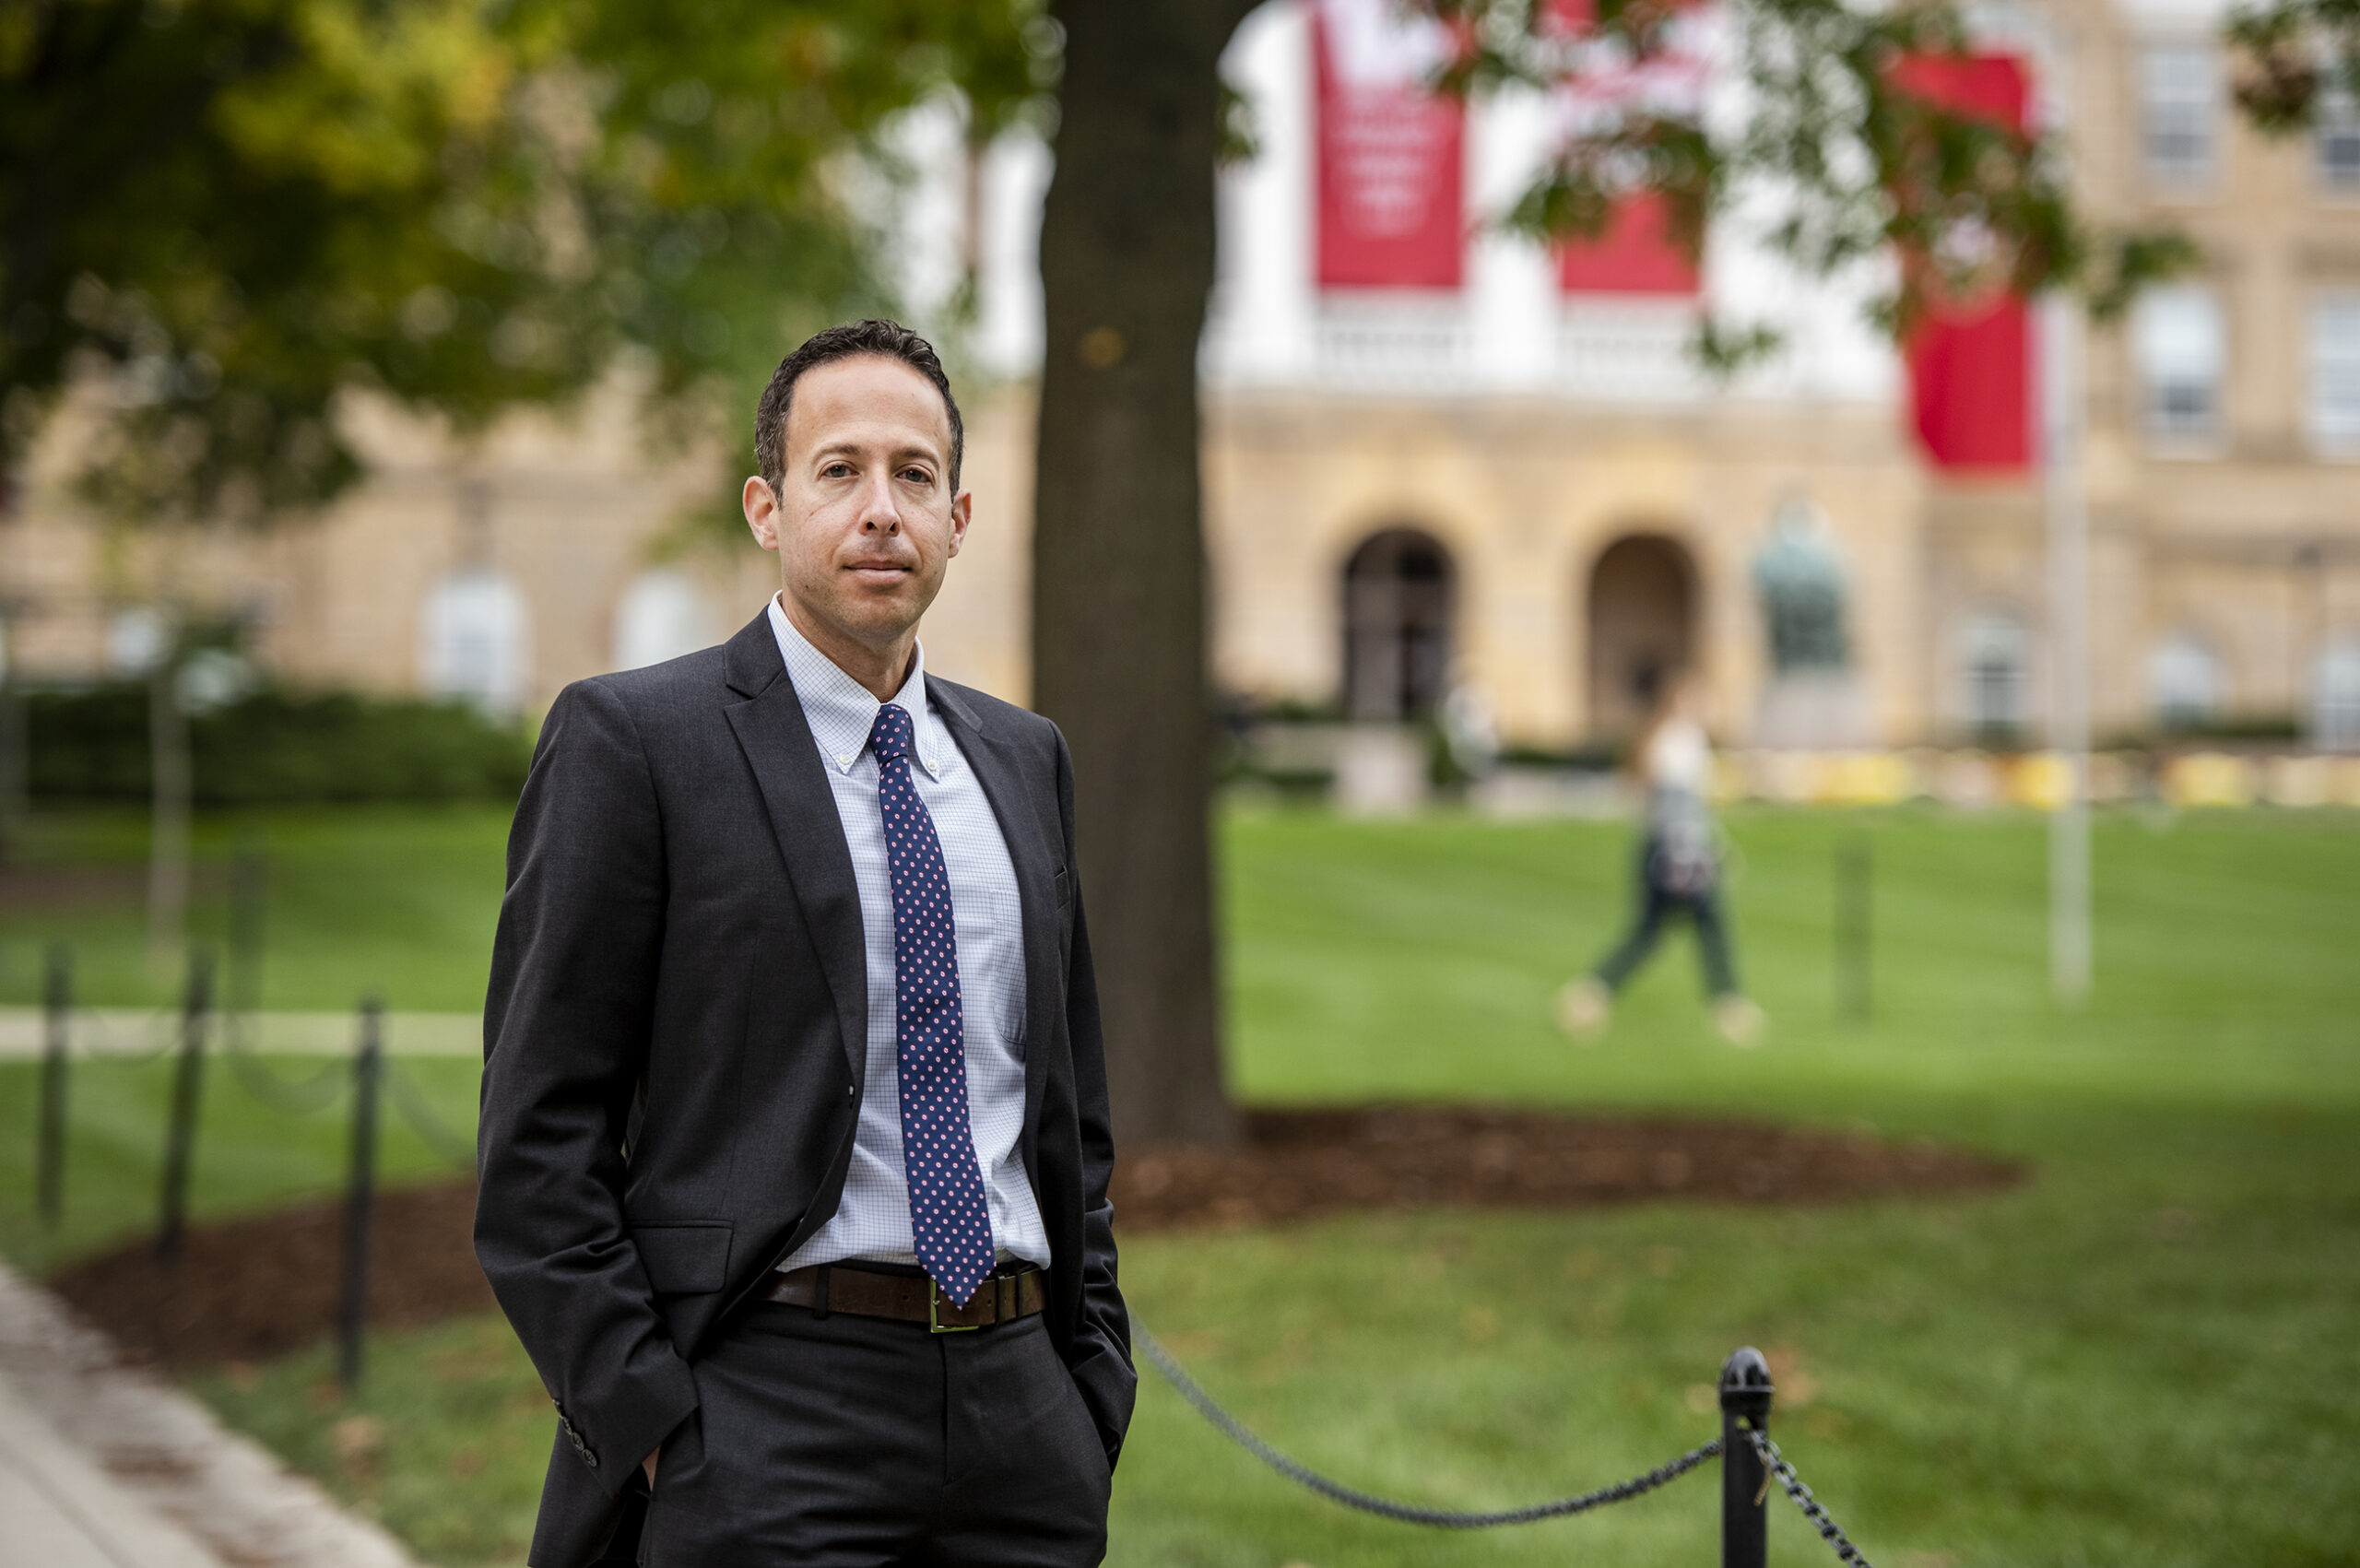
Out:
{"x": 1642, "y": 626}
{"x": 1398, "y": 590}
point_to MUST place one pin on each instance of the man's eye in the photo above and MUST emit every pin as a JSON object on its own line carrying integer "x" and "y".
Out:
{"x": 916, "y": 476}
{"x": 836, "y": 470}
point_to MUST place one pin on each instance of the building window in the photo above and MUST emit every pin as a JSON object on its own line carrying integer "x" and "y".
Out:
{"x": 662, "y": 615}
{"x": 2178, "y": 90}
{"x": 137, "y": 638}
{"x": 2335, "y": 373}
{"x": 2182, "y": 354}
{"x": 1994, "y": 655}
{"x": 2335, "y": 697}
{"x": 2339, "y": 142}
{"x": 476, "y": 644}
{"x": 2184, "y": 681}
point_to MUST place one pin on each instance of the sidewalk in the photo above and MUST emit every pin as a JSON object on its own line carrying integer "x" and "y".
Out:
{"x": 138, "y": 1032}
{"x": 64, "y": 1512}
{"x": 105, "y": 1465}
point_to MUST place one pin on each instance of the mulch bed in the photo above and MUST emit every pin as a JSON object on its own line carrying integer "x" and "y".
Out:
{"x": 248, "y": 1289}
{"x": 1299, "y": 1165}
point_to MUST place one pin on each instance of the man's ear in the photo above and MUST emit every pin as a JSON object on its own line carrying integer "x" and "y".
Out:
{"x": 759, "y": 504}
{"x": 962, "y": 512}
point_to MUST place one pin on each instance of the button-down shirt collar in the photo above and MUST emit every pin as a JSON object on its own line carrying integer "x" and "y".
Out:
{"x": 842, "y": 711}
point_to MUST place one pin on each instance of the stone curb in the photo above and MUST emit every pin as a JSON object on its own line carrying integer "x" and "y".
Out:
{"x": 144, "y": 1469}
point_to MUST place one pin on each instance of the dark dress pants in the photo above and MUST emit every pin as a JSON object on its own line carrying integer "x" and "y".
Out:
{"x": 849, "y": 1442}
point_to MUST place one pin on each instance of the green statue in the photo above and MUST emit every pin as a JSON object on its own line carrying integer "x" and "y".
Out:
{"x": 1801, "y": 585}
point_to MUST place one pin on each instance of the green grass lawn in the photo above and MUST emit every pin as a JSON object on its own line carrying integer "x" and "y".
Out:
{"x": 397, "y": 901}
{"x": 251, "y": 1154}
{"x": 2141, "y": 1356}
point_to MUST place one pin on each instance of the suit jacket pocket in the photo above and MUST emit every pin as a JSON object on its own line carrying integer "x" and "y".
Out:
{"x": 684, "y": 1257}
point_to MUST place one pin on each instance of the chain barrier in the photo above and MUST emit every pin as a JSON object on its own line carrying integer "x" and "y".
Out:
{"x": 419, "y": 1112}
{"x": 299, "y": 1097}
{"x": 161, "y": 1026}
{"x": 303, "y": 1096}
{"x": 1829, "y": 1530}
{"x": 1386, "y": 1508}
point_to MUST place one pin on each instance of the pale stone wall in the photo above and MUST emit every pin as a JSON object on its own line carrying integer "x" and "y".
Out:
{"x": 568, "y": 509}
{"x": 979, "y": 631}
{"x": 2250, "y": 541}
{"x": 1526, "y": 494}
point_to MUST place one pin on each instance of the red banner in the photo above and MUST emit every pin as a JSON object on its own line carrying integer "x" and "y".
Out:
{"x": 1636, "y": 254}
{"x": 1971, "y": 366}
{"x": 1392, "y": 208}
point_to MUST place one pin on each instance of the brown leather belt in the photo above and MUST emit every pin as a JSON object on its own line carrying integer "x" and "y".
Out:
{"x": 910, "y": 1297}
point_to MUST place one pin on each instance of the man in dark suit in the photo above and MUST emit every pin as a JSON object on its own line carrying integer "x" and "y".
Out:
{"x": 794, "y": 1148}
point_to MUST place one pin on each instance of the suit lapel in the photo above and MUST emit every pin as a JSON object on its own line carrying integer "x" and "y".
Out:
{"x": 1032, "y": 850}
{"x": 777, "y": 741}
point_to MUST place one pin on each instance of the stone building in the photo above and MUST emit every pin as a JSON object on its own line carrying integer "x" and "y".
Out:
{"x": 1438, "y": 457}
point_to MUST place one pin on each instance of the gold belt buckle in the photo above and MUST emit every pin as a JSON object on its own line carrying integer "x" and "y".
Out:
{"x": 934, "y": 1312}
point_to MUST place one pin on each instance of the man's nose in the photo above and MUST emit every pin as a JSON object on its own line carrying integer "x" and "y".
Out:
{"x": 878, "y": 514}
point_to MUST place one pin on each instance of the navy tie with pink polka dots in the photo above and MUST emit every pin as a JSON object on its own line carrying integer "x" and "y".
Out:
{"x": 951, "y": 1224}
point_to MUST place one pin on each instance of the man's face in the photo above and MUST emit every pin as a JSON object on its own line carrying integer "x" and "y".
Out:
{"x": 864, "y": 522}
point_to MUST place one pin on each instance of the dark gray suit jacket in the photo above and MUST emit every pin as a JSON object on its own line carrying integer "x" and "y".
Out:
{"x": 675, "y": 1039}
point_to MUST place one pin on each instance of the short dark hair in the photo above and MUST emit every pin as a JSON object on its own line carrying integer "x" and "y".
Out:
{"x": 889, "y": 339}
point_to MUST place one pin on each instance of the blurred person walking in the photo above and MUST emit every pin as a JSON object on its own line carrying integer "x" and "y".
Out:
{"x": 795, "y": 1142}
{"x": 1680, "y": 873}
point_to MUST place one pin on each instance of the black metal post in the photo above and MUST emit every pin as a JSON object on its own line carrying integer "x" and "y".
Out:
{"x": 1745, "y": 1516}
{"x": 57, "y": 1008}
{"x": 188, "y": 1088}
{"x": 16, "y": 766}
{"x": 360, "y": 1195}
{"x": 1853, "y": 977}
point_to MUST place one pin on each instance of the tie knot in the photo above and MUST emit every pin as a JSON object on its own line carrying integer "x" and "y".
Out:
{"x": 891, "y": 737}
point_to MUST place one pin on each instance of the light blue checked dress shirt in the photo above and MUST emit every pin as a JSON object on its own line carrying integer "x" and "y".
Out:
{"x": 872, "y": 1219}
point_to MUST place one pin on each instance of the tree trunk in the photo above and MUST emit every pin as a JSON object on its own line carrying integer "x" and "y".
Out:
{"x": 1118, "y": 553}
